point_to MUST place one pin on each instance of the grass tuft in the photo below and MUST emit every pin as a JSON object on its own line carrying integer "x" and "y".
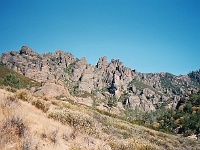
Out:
{"x": 41, "y": 105}
{"x": 24, "y": 95}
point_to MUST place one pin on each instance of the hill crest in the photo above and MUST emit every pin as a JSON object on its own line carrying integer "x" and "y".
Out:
{"x": 106, "y": 80}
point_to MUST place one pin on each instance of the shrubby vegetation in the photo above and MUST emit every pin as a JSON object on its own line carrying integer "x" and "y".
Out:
{"x": 12, "y": 81}
{"x": 167, "y": 82}
{"x": 185, "y": 120}
{"x": 15, "y": 80}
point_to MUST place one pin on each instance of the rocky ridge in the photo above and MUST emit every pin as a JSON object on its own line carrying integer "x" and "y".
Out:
{"x": 103, "y": 81}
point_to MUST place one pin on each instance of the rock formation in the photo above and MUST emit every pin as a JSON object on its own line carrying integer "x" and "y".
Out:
{"x": 106, "y": 79}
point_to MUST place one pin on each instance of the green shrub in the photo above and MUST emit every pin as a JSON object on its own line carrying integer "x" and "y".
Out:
{"x": 12, "y": 81}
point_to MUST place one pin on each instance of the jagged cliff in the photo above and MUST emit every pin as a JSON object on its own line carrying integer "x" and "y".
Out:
{"x": 105, "y": 80}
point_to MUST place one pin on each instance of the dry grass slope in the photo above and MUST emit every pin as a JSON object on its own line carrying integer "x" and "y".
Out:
{"x": 31, "y": 122}
{"x": 14, "y": 131}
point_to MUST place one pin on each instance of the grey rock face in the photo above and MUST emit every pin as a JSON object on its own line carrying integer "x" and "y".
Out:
{"x": 87, "y": 80}
{"x": 145, "y": 91}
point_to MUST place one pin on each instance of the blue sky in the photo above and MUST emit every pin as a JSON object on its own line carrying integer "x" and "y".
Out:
{"x": 146, "y": 35}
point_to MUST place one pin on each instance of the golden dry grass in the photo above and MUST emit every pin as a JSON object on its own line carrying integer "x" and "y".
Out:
{"x": 53, "y": 124}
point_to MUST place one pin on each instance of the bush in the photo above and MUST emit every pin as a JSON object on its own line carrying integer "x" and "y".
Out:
{"x": 12, "y": 81}
{"x": 75, "y": 119}
{"x": 24, "y": 95}
{"x": 41, "y": 105}
{"x": 130, "y": 145}
{"x": 10, "y": 89}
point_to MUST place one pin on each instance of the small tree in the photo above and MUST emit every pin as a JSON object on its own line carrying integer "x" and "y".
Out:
{"x": 12, "y": 80}
{"x": 188, "y": 108}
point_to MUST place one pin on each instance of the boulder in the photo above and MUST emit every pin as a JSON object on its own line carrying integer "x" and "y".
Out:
{"x": 52, "y": 90}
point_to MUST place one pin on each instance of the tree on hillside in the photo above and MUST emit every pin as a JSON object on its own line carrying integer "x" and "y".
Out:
{"x": 195, "y": 99}
{"x": 12, "y": 80}
{"x": 191, "y": 124}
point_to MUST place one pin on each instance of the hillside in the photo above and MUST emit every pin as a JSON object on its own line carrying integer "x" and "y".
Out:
{"x": 107, "y": 106}
{"x": 25, "y": 81}
{"x": 106, "y": 80}
{"x": 29, "y": 122}
{"x": 185, "y": 119}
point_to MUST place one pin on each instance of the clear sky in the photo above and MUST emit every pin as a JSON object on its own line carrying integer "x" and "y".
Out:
{"x": 146, "y": 35}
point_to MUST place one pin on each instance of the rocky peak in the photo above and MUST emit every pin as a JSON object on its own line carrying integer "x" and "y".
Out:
{"x": 13, "y": 53}
{"x": 102, "y": 63}
{"x": 81, "y": 64}
{"x": 83, "y": 61}
{"x": 116, "y": 62}
{"x": 25, "y": 50}
{"x": 59, "y": 52}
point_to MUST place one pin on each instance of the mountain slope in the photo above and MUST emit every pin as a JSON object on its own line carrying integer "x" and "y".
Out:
{"x": 105, "y": 80}
{"x": 185, "y": 119}
{"x": 55, "y": 124}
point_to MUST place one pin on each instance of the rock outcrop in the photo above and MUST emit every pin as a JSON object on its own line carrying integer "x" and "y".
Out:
{"x": 106, "y": 79}
{"x": 52, "y": 90}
